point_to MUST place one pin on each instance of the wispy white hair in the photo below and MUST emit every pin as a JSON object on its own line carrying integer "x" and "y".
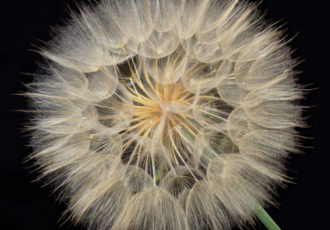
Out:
{"x": 173, "y": 114}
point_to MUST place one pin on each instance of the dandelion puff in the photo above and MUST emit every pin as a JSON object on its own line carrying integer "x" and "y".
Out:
{"x": 165, "y": 114}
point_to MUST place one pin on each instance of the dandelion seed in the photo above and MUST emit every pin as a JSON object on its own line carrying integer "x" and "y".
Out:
{"x": 174, "y": 114}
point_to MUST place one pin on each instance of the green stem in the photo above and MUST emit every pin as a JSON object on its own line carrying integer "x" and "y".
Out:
{"x": 265, "y": 218}
{"x": 261, "y": 213}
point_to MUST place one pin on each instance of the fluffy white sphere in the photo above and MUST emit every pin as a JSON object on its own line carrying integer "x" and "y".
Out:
{"x": 173, "y": 114}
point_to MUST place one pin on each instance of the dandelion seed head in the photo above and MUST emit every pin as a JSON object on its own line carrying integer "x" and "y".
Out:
{"x": 165, "y": 114}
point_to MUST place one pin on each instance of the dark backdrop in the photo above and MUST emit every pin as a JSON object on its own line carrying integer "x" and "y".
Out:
{"x": 26, "y": 206}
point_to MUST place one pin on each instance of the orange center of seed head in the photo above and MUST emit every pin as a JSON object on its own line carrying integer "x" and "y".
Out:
{"x": 162, "y": 117}
{"x": 156, "y": 103}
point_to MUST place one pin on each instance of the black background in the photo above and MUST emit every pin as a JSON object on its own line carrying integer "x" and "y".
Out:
{"x": 26, "y": 206}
